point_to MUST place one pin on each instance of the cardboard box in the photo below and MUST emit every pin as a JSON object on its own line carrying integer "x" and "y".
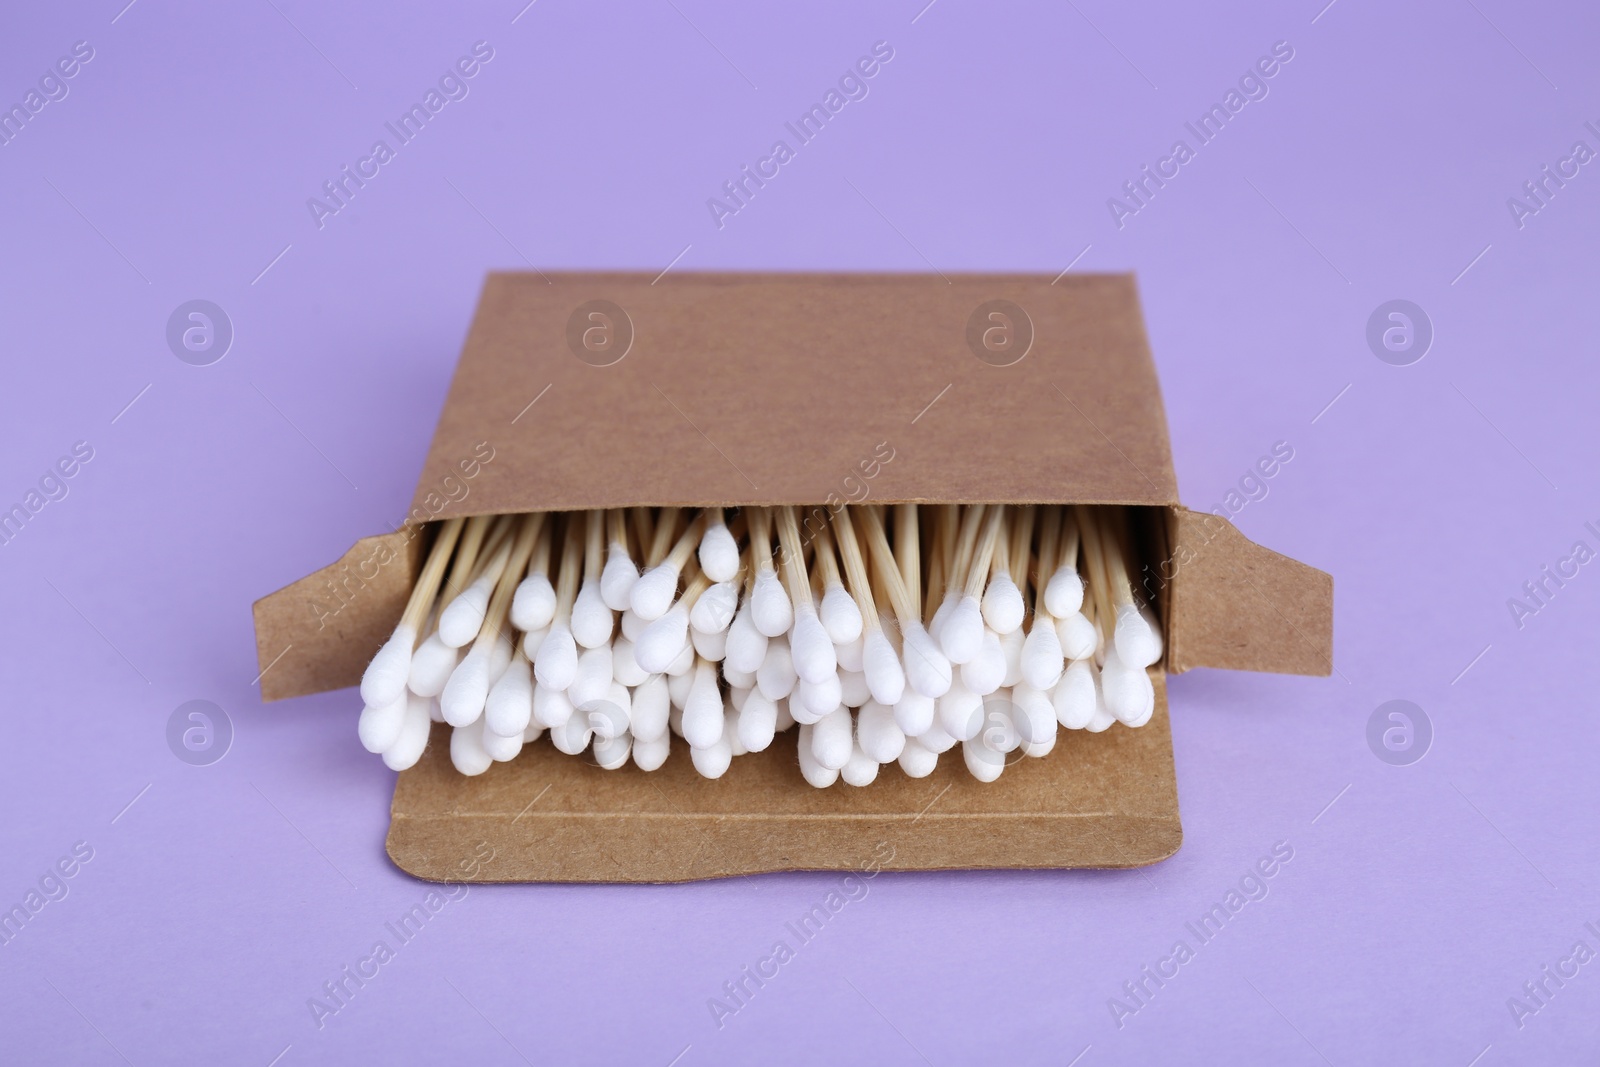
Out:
{"x": 805, "y": 389}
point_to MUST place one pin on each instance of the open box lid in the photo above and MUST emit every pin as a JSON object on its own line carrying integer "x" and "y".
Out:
{"x": 579, "y": 391}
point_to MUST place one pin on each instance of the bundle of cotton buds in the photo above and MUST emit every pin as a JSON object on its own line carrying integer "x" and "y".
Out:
{"x": 887, "y": 635}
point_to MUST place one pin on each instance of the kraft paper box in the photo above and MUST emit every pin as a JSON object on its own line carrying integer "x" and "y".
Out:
{"x": 605, "y": 390}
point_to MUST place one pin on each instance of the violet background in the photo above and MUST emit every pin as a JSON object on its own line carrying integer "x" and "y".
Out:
{"x": 1378, "y": 167}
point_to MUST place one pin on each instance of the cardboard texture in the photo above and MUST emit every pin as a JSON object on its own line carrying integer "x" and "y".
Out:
{"x": 807, "y": 389}
{"x": 1098, "y": 800}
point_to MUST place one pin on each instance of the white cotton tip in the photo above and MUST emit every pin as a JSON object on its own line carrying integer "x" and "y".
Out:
{"x": 770, "y": 608}
{"x": 853, "y": 689}
{"x": 819, "y": 698}
{"x": 851, "y": 655}
{"x": 662, "y": 640}
{"x": 557, "y": 662}
{"x": 785, "y": 717}
{"x": 1063, "y": 594}
{"x": 593, "y": 679}
{"x": 886, "y": 678}
{"x": 435, "y": 712}
{"x": 1038, "y": 749}
{"x": 532, "y": 641}
{"x": 736, "y": 678}
{"x": 927, "y": 668}
{"x": 811, "y": 647}
{"x": 499, "y": 658}
{"x": 1042, "y": 661}
{"x": 757, "y": 722}
{"x": 534, "y": 603}
{"x": 413, "y": 739}
{"x": 611, "y": 716}
{"x": 747, "y": 646}
{"x": 814, "y": 773}
{"x": 380, "y": 725}
{"x": 936, "y": 738}
{"x": 914, "y": 713}
{"x": 675, "y": 721}
{"x": 572, "y": 736}
{"x": 860, "y": 769}
{"x": 612, "y": 753}
{"x": 648, "y": 714}
{"x": 719, "y": 553}
{"x": 532, "y": 733}
{"x": 737, "y": 696}
{"x": 551, "y": 708}
{"x": 1075, "y": 695}
{"x": 776, "y": 675}
{"x": 1003, "y": 608}
{"x": 831, "y": 740}
{"x": 712, "y": 647}
{"x": 983, "y": 673}
{"x": 650, "y": 755}
{"x": 678, "y": 687}
{"x": 652, "y": 594}
{"x": 1137, "y": 639}
{"x": 713, "y": 761}
{"x": 877, "y": 732}
{"x": 502, "y": 749}
{"x": 917, "y": 760}
{"x": 683, "y": 663}
{"x": 631, "y": 625}
{"x": 840, "y": 614}
{"x": 703, "y": 714}
{"x": 617, "y": 577}
{"x": 509, "y": 708}
{"x": 462, "y": 618}
{"x": 942, "y": 613}
{"x": 467, "y": 751}
{"x": 1127, "y": 690}
{"x": 1011, "y": 646}
{"x": 731, "y": 735}
{"x": 962, "y": 635}
{"x": 1033, "y": 714}
{"x": 624, "y": 667}
{"x": 1000, "y": 731}
{"x": 592, "y": 620}
{"x": 385, "y": 678}
{"x": 983, "y": 762}
{"x": 464, "y": 694}
{"x": 431, "y": 666}
{"x": 1079, "y": 637}
{"x": 960, "y": 712}
{"x": 1102, "y": 721}
{"x": 713, "y": 612}
{"x": 801, "y": 711}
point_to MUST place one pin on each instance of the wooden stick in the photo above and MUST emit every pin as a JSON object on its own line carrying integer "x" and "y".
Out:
{"x": 661, "y": 542}
{"x": 494, "y": 617}
{"x": 971, "y": 520}
{"x": 794, "y": 558}
{"x": 900, "y": 601}
{"x": 1021, "y": 546}
{"x": 683, "y": 550}
{"x": 617, "y": 528}
{"x": 855, "y": 569}
{"x": 643, "y": 530}
{"x": 571, "y": 568}
{"x": 977, "y": 571}
{"x": 1111, "y": 535}
{"x": 908, "y": 549}
{"x": 1095, "y": 578}
{"x": 467, "y": 554}
{"x": 1049, "y": 539}
{"x": 539, "y": 561}
{"x": 594, "y": 547}
{"x": 427, "y": 586}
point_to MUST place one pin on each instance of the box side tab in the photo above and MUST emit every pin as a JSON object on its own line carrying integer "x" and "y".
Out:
{"x": 319, "y": 633}
{"x": 1235, "y": 604}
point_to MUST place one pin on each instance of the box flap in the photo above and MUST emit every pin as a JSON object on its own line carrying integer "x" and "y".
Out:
{"x": 319, "y": 633}
{"x": 739, "y": 389}
{"x": 1232, "y": 603}
{"x": 1097, "y": 800}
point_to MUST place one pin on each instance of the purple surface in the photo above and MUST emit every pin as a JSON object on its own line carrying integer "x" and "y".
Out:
{"x": 1419, "y": 899}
